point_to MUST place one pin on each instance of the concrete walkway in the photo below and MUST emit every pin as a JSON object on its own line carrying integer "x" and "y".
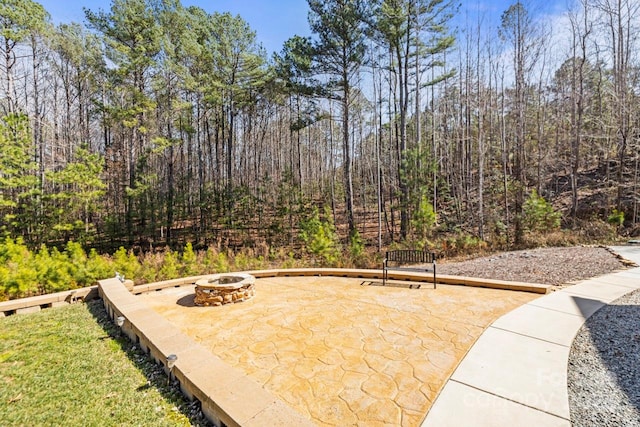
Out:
{"x": 516, "y": 373}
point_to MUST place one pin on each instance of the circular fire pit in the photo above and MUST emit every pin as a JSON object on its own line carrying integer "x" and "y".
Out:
{"x": 220, "y": 289}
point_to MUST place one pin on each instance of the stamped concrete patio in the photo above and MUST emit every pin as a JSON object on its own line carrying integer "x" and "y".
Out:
{"x": 339, "y": 351}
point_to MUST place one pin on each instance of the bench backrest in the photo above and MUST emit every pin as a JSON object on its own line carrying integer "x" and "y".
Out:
{"x": 410, "y": 256}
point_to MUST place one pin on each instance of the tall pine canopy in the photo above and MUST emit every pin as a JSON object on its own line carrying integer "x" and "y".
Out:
{"x": 405, "y": 122}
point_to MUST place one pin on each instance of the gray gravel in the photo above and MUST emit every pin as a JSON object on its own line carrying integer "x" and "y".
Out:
{"x": 604, "y": 367}
{"x": 551, "y": 266}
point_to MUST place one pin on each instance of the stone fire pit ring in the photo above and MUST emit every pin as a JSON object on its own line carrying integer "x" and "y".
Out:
{"x": 225, "y": 288}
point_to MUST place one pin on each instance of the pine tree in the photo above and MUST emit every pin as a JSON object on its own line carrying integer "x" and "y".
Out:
{"x": 18, "y": 20}
{"x": 340, "y": 53}
{"x": 132, "y": 36}
{"x": 18, "y": 180}
{"x": 412, "y": 30}
{"x": 80, "y": 188}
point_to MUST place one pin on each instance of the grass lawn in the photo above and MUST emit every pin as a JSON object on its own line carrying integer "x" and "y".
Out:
{"x": 67, "y": 366}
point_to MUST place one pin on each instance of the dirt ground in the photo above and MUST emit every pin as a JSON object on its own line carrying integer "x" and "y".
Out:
{"x": 550, "y": 266}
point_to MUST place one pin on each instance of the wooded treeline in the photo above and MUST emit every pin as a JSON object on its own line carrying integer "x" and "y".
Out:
{"x": 153, "y": 124}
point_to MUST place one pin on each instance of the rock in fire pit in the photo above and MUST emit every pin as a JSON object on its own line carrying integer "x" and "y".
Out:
{"x": 221, "y": 289}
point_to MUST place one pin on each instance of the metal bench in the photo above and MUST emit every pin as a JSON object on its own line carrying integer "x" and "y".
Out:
{"x": 401, "y": 258}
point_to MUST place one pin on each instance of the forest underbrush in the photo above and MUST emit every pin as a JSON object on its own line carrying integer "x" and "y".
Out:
{"x": 28, "y": 272}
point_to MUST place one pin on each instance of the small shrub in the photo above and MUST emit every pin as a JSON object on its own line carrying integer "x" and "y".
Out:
{"x": 616, "y": 218}
{"x": 55, "y": 271}
{"x": 356, "y": 248}
{"x": 539, "y": 215}
{"x": 170, "y": 266}
{"x": 462, "y": 244}
{"x": 151, "y": 264}
{"x": 75, "y": 261}
{"x": 468, "y": 242}
{"x": 247, "y": 260}
{"x": 189, "y": 260}
{"x": 320, "y": 238}
{"x": 424, "y": 218}
{"x": 18, "y": 278}
{"x": 126, "y": 263}
{"x": 98, "y": 267}
{"x": 215, "y": 262}
{"x": 422, "y": 244}
{"x": 283, "y": 258}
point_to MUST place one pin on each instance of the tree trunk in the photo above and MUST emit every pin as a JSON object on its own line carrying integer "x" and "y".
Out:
{"x": 347, "y": 156}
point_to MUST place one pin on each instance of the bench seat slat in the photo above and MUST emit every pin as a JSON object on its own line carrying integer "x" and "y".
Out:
{"x": 405, "y": 256}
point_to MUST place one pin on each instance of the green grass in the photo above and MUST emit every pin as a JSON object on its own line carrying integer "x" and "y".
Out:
{"x": 68, "y": 366}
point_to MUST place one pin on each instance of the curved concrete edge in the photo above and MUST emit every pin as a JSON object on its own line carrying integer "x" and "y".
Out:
{"x": 516, "y": 372}
{"x": 227, "y": 396}
{"x": 33, "y": 304}
{"x": 362, "y": 274}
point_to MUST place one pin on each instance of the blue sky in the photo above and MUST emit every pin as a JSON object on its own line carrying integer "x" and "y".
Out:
{"x": 274, "y": 21}
{"x": 277, "y": 20}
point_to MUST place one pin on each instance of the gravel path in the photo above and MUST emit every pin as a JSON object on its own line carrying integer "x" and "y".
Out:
{"x": 604, "y": 367}
{"x": 550, "y": 266}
